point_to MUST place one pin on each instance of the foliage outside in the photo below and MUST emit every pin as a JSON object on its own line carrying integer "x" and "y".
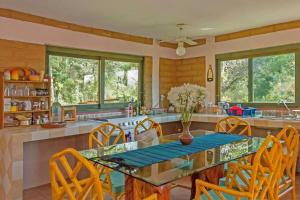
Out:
{"x": 121, "y": 81}
{"x": 76, "y": 80}
{"x": 273, "y": 79}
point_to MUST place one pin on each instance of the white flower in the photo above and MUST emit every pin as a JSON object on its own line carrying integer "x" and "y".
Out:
{"x": 186, "y": 97}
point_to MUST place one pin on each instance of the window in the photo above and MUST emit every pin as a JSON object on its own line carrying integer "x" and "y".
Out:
{"x": 234, "y": 80}
{"x": 94, "y": 79}
{"x": 121, "y": 81}
{"x": 266, "y": 76}
{"x": 75, "y": 80}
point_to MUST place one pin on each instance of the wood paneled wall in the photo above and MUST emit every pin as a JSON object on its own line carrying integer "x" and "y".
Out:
{"x": 175, "y": 72}
{"x": 191, "y": 70}
{"x": 21, "y": 54}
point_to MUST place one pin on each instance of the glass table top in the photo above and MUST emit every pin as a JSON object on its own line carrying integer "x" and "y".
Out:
{"x": 168, "y": 171}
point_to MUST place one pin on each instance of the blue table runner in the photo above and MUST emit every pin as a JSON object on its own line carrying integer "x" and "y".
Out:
{"x": 163, "y": 152}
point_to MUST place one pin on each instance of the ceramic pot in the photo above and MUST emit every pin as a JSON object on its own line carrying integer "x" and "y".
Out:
{"x": 186, "y": 138}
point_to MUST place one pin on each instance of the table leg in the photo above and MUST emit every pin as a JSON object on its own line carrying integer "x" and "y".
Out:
{"x": 211, "y": 175}
{"x": 137, "y": 190}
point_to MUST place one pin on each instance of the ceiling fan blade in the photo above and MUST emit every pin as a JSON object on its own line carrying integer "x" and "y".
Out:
{"x": 189, "y": 41}
{"x": 165, "y": 40}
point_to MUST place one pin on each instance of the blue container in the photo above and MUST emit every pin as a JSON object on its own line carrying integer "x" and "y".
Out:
{"x": 247, "y": 112}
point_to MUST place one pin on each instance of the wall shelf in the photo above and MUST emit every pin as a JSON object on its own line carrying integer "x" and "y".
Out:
{"x": 14, "y": 81}
{"x": 26, "y": 97}
{"x": 27, "y": 113}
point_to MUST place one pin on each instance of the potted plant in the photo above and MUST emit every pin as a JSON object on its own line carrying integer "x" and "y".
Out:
{"x": 185, "y": 98}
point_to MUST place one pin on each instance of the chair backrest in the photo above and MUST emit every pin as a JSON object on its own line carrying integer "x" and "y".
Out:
{"x": 290, "y": 136}
{"x": 234, "y": 125}
{"x": 151, "y": 197}
{"x": 146, "y": 125}
{"x": 101, "y": 136}
{"x": 65, "y": 169}
{"x": 263, "y": 174}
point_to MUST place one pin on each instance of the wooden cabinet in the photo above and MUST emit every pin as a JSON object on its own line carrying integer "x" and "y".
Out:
{"x": 28, "y": 100}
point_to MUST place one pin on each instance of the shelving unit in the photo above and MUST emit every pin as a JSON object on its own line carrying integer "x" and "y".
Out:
{"x": 20, "y": 83}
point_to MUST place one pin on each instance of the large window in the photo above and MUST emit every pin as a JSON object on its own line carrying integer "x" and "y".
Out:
{"x": 121, "y": 81}
{"x": 94, "y": 78}
{"x": 75, "y": 80}
{"x": 260, "y": 77}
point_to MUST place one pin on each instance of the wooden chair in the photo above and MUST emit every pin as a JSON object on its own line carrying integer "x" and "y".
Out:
{"x": 234, "y": 125}
{"x": 101, "y": 136}
{"x": 290, "y": 136}
{"x": 146, "y": 125}
{"x": 262, "y": 184}
{"x": 65, "y": 177}
{"x": 151, "y": 197}
{"x": 112, "y": 181}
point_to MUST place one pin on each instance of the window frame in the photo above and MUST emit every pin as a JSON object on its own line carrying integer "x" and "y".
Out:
{"x": 101, "y": 57}
{"x": 250, "y": 54}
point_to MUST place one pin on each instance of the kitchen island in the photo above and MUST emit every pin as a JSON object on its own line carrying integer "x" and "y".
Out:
{"x": 25, "y": 151}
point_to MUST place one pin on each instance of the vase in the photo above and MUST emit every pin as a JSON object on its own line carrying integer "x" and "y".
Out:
{"x": 186, "y": 138}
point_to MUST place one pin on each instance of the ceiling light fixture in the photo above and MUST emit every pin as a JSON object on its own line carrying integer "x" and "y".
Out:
{"x": 206, "y": 29}
{"x": 180, "y": 51}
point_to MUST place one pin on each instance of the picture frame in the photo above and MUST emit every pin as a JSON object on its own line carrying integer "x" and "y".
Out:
{"x": 68, "y": 113}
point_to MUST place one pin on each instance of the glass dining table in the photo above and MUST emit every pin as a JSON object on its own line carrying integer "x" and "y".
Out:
{"x": 158, "y": 175}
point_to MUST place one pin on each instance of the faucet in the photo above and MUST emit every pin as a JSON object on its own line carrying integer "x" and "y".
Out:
{"x": 285, "y": 105}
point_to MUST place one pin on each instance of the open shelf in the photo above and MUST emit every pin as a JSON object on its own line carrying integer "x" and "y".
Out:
{"x": 27, "y": 111}
{"x": 19, "y": 81}
{"x": 25, "y": 97}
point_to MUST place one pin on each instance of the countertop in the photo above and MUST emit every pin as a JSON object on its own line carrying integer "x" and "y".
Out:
{"x": 33, "y": 133}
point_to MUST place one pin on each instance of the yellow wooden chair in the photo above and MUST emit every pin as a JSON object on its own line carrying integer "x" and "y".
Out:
{"x": 112, "y": 181}
{"x": 146, "y": 125}
{"x": 234, "y": 125}
{"x": 66, "y": 181}
{"x": 101, "y": 136}
{"x": 290, "y": 136}
{"x": 151, "y": 197}
{"x": 262, "y": 184}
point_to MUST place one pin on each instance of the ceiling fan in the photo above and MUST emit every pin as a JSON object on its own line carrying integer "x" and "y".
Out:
{"x": 180, "y": 40}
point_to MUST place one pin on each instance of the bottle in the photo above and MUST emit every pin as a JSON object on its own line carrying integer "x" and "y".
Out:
{"x": 130, "y": 110}
{"x": 56, "y": 112}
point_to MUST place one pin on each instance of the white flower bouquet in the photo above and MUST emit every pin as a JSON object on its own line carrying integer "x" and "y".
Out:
{"x": 186, "y": 98}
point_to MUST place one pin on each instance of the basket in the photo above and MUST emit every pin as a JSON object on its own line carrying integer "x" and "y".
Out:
{"x": 246, "y": 112}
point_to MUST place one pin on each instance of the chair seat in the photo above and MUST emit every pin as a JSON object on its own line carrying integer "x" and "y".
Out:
{"x": 117, "y": 181}
{"x": 216, "y": 197}
{"x": 222, "y": 181}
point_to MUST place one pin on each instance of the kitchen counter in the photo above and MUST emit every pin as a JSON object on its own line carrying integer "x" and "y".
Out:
{"x": 12, "y": 143}
{"x": 257, "y": 122}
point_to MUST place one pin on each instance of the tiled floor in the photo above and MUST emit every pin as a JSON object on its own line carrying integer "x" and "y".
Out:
{"x": 44, "y": 193}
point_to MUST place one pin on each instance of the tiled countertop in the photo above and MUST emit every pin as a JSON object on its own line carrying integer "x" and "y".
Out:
{"x": 257, "y": 122}
{"x": 33, "y": 133}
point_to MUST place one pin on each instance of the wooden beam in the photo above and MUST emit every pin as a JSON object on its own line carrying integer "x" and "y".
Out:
{"x": 258, "y": 31}
{"x": 13, "y": 14}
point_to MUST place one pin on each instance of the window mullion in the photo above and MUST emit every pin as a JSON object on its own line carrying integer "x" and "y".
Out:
{"x": 250, "y": 80}
{"x": 297, "y": 77}
{"x": 101, "y": 82}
